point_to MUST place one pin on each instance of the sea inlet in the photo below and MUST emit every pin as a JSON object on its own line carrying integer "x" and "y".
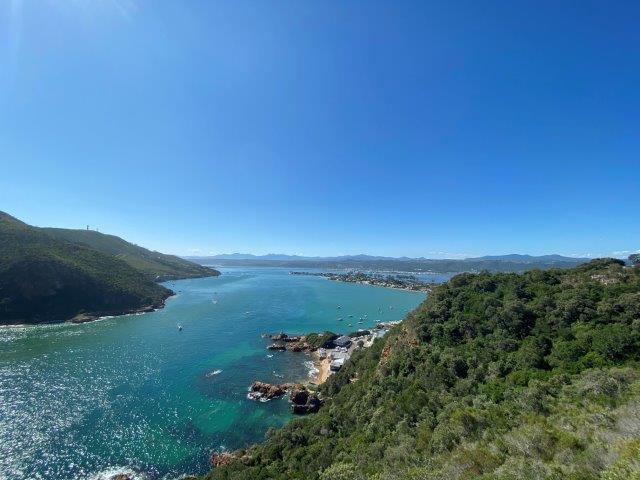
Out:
{"x": 138, "y": 394}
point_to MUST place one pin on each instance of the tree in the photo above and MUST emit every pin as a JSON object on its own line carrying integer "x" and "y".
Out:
{"x": 634, "y": 259}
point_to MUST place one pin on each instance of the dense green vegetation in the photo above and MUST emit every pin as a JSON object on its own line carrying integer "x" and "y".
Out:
{"x": 494, "y": 376}
{"x": 155, "y": 265}
{"x": 43, "y": 279}
{"x": 321, "y": 340}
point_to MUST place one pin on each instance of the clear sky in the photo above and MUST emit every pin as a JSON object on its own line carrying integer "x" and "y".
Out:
{"x": 424, "y": 128}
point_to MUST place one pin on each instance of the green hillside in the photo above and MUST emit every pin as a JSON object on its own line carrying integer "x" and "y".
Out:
{"x": 494, "y": 376}
{"x": 43, "y": 279}
{"x": 155, "y": 265}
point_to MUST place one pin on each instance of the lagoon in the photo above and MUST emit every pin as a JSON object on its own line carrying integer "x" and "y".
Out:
{"x": 134, "y": 392}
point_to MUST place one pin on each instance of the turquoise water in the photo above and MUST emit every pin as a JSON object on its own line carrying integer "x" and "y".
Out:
{"x": 133, "y": 391}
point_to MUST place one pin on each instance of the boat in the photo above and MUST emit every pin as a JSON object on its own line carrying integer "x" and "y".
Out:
{"x": 340, "y": 319}
{"x": 180, "y": 327}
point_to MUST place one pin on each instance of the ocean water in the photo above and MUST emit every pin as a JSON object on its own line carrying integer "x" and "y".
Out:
{"x": 135, "y": 393}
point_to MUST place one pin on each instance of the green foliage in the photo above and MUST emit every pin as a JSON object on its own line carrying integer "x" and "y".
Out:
{"x": 494, "y": 376}
{"x": 321, "y": 340}
{"x": 45, "y": 279}
{"x": 155, "y": 265}
{"x": 359, "y": 333}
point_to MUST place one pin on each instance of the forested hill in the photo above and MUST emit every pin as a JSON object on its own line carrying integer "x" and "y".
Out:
{"x": 43, "y": 279}
{"x": 494, "y": 376}
{"x": 155, "y": 265}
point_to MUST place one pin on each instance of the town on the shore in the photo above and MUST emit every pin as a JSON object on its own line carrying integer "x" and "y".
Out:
{"x": 399, "y": 281}
{"x": 330, "y": 352}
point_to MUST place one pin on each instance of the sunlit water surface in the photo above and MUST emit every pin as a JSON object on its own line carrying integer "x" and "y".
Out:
{"x": 84, "y": 401}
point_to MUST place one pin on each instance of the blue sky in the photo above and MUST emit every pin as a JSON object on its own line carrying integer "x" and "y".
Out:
{"x": 439, "y": 129}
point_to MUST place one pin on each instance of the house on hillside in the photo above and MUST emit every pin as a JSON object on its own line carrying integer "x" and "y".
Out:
{"x": 337, "y": 364}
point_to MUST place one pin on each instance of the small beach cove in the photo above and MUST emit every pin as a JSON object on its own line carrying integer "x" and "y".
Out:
{"x": 135, "y": 392}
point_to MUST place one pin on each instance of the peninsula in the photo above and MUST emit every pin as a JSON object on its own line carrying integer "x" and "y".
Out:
{"x": 399, "y": 281}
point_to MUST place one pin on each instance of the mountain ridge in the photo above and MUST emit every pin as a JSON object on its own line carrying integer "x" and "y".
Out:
{"x": 362, "y": 256}
{"x": 498, "y": 263}
{"x": 46, "y": 278}
{"x": 155, "y": 265}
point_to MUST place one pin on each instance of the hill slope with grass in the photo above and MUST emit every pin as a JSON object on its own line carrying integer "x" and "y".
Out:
{"x": 494, "y": 376}
{"x": 43, "y": 279}
{"x": 155, "y": 265}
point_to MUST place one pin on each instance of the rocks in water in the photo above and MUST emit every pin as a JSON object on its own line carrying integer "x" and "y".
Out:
{"x": 219, "y": 459}
{"x": 84, "y": 317}
{"x": 295, "y": 338}
{"x": 299, "y": 395}
{"x": 264, "y": 392}
{"x": 301, "y": 399}
{"x": 121, "y": 476}
{"x": 304, "y": 401}
{"x": 294, "y": 343}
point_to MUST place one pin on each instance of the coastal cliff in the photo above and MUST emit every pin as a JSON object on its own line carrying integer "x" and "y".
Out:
{"x": 500, "y": 376}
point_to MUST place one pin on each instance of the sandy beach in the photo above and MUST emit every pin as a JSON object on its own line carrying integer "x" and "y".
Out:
{"x": 323, "y": 368}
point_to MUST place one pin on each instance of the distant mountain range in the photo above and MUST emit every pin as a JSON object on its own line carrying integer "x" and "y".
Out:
{"x": 52, "y": 275}
{"x": 498, "y": 263}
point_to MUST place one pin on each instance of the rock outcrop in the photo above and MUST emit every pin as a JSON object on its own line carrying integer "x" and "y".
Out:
{"x": 264, "y": 392}
{"x": 301, "y": 399}
{"x": 219, "y": 459}
{"x": 304, "y": 401}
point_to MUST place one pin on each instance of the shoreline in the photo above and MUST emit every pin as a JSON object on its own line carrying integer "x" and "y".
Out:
{"x": 397, "y": 283}
{"x": 83, "y": 318}
{"x": 323, "y": 368}
{"x": 404, "y": 289}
